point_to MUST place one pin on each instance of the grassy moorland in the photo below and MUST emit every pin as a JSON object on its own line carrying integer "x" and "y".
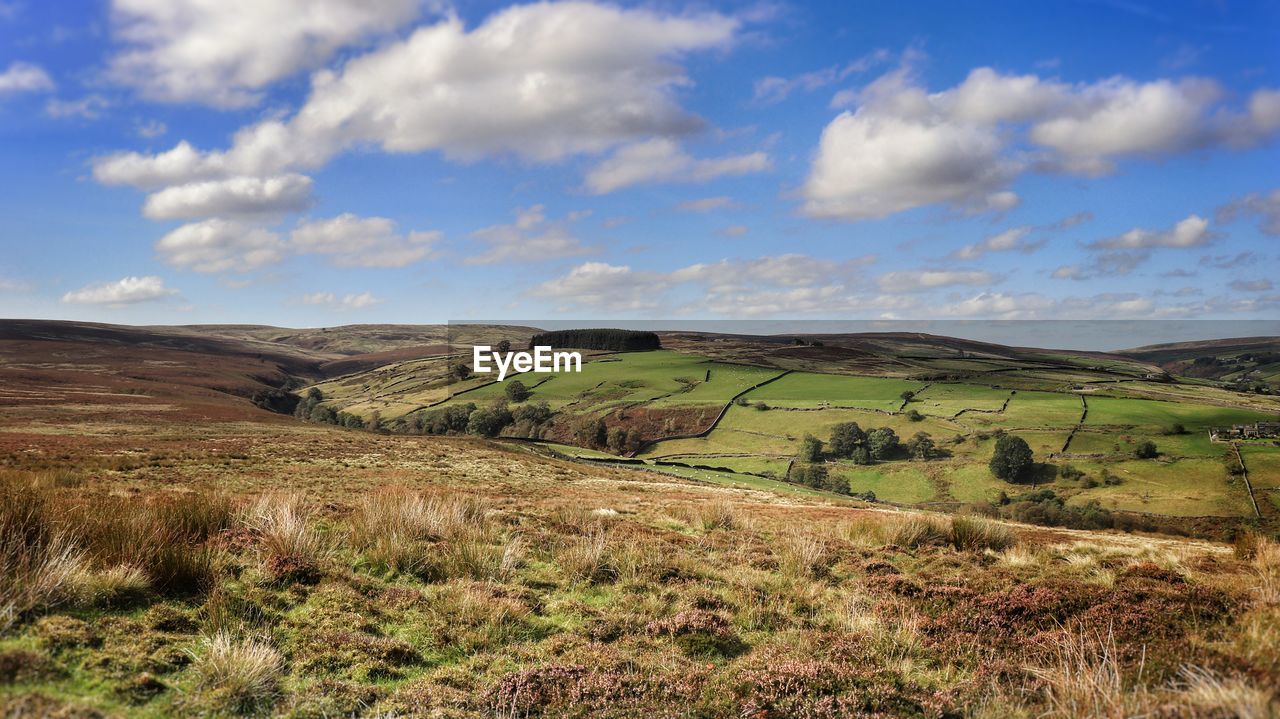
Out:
{"x": 169, "y": 549}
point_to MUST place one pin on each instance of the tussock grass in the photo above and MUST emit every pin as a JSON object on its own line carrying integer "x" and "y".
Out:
{"x": 589, "y": 558}
{"x": 803, "y": 554}
{"x": 917, "y": 531}
{"x": 972, "y": 534}
{"x": 241, "y": 675}
{"x": 40, "y": 565}
{"x": 291, "y": 546}
{"x": 1266, "y": 566}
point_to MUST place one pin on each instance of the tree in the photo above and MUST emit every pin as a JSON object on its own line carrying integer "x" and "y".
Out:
{"x": 460, "y": 371}
{"x": 914, "y": 415}
{"x": 592, "y": 433}
{"x": 845, "y": 437}
{"x": 861, "y": 455}
{"x": 1146, "y": 450}
{"x": 882, "y": 442}
{"x": 516, "y": 391}
{"x": 504, "y": 346}
{"x": 921, "y": 446}
{"x": 810, "y": 449}
{"x": 1012, "y": 458}
{"x": 907, "y": 395}
{"x": 488, "y": 421}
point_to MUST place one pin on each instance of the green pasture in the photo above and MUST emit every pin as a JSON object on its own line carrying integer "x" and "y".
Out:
{"x": 1185, "y": 487}
{"x": 945, "y": 400}
{"x": 1158, "y": 415}
{"x": 900, "y": 482}
{"x": 807, "y": 389}
{"x": 1263, "y": 464}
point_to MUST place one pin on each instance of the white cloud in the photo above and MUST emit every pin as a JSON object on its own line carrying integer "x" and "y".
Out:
{"x": 903, "y": 147}
{"x": 223, "y": 53}
{"x": 999, "y": 305}
{"x": 600, "y": 285}
{"x": 125, "y": 291}
{"x": 1190, "y": 232}
{"x": 531, "y": 238}
{"x": 346, "y": 302}
{"x": 765, "y": 285}
{"x": 353, "y": 241}
{"x": 1266, "y": 206}
{"x": 1011, "y": 240}
{"x": 218, "y": 245}
{"x": 9, "y": 285}
{"x": 707, "y": 204}
{"x": 663, "y": 160}
{"x": 920, "y": 280}
{"x": 233, "y": 197}
{"x": 733, "y": 231}
{"x": 541, "y": 81}
{"x": 24, "y": 77}
{"x": 89, "y": 107}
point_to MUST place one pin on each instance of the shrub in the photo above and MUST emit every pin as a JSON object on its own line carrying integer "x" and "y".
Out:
{"x": 921, "y": 446}
{"x": 1146, "y": 450}
{"x": 516, "y": 391}
{"x": 240, "y": 675}
{"x": 914, "y": 415}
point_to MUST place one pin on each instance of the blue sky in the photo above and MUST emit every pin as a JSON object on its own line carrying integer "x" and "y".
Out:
{"x": 321, "y": 162}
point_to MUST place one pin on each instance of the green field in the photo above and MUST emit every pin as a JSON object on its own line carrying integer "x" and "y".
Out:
{"x": 946, "y": 400}
{"x": 1158, "y": 415}
{"x": 1186, "y": 487}
{"x": 897, "y": 482}
{"x": 1264, "y": 465}
{"x": 807, "y": 389}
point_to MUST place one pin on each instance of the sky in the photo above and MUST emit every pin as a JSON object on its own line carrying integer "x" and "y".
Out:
{"x": 326, "y": 162}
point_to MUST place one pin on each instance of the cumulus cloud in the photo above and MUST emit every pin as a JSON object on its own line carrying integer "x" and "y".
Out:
{"x": 124, "y": 291}
{"x": 232, "y": 197}
{"x": 1264, "y": 206}
{"x": 1190, "y": 232}
{"x": 223, "y": 53}
{"x": 352, "y": 241}
{"x": 22, "y": 77}
{"x": 600, "y": 285}
{"x": 218, "y": 245}
{"x": 1011, "y": 240}
{"x": 663, "y": 160}
{"x": 531, "y": 238}
{"x": 541, "y": 81}
{"x": 904, "y": 147}
{"x": 346, "y": 302}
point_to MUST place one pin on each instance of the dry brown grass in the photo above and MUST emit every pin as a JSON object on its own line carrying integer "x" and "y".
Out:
{"x": 241, "y": 675}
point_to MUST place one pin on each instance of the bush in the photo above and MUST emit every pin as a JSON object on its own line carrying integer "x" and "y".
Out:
{"x": 516, "y": 391}
{"x": 489, "y": 421}
{"x": 1146, "y": 450}
{"x": 1012, "y": 458}
{"x": 914, "y": 415}
{"x": 921, "y": 446}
